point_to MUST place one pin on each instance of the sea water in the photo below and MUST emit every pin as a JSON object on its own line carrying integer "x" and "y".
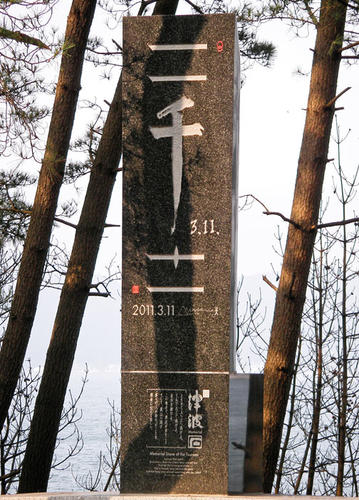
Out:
{"x": 100, "y": 392}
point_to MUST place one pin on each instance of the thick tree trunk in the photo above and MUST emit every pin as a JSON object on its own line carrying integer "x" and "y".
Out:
{"x": 165, "y": 7}
{"x": 300, "y": 241}
{"x": 37, "y": 241}
{"x": 61, "y": 351}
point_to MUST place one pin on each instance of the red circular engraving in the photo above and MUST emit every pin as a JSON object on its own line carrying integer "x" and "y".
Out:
{"x": 219, "y": 46}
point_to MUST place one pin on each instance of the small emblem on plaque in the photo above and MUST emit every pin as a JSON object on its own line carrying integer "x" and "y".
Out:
{"x": 194, "y": 441}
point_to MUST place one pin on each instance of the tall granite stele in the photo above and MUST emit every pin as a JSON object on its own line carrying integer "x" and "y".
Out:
{"x": 180, "y": 102}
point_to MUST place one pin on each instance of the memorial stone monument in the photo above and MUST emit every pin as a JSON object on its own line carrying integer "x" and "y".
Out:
{"x": 180, "y": 107}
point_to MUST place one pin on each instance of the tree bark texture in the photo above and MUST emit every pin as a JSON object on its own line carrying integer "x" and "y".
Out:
{"x": 300, "y": 241}
{"x": 37, "y": 241}
{"x": 73, "y": 299}
{"x": 165, "y": 7}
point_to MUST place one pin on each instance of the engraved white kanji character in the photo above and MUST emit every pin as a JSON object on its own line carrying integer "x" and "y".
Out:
{"x": 176, "y": 131}
{"x": 194, "y": 421}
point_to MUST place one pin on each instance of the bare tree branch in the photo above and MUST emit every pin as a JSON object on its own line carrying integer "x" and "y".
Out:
{"x": 332, "y": 101}
{"x": 21, "y": 37}
{"x": 266, "y": 280}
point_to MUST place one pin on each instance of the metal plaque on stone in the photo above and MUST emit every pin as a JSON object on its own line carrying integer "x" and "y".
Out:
{"x": 180, "y": 115}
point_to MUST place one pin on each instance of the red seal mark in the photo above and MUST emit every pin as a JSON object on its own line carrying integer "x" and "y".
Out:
{"x": 135, "y": 289}
{"x": 219, "y": 46}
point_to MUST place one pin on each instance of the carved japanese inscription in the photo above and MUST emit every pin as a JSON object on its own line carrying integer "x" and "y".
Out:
{"x": 179, "y": 101}
{"x": 176, "y": 131}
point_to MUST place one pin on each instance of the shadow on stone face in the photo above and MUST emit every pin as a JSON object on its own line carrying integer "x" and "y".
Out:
{"x": 151, "y": 188}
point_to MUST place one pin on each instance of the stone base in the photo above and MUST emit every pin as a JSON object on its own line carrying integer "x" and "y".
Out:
{"x": 245, "y": 464}
{"x": 175, "y": 433}
{"x": 113, "y": 496}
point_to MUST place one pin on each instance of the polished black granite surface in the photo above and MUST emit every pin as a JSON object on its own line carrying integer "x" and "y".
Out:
{"x": 178, "y": 101}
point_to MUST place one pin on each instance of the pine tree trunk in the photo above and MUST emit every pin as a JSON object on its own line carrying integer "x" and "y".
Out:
{"x": 61, "y": 351}
{"x": 37, "y": 241}
{"x": 300, "y": 240}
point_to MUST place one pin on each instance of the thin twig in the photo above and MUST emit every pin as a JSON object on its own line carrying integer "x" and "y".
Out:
{"x": 332, "y": 101}
{"x": 113, "y": 470}
{"x": 256, "y": 199}
{"x": 10, "y": 474}
{"x": 350, "y": 46}
{"x": 57, "y": 219}
{"x": 295, "y": 224}
{"x": 117, "y": 45}
{"x": 107, "y": 53}
{"x": 337, "y": 223}
{"x": 195, "y": 7}
{"x": 15, "y": 210}
{"x": 268, "y": 212}
{"x": 266, "y": 280}
{"x": 310, "y": 13}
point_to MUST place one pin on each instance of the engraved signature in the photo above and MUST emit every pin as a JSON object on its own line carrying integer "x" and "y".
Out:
{"x": 190, "y": 311}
